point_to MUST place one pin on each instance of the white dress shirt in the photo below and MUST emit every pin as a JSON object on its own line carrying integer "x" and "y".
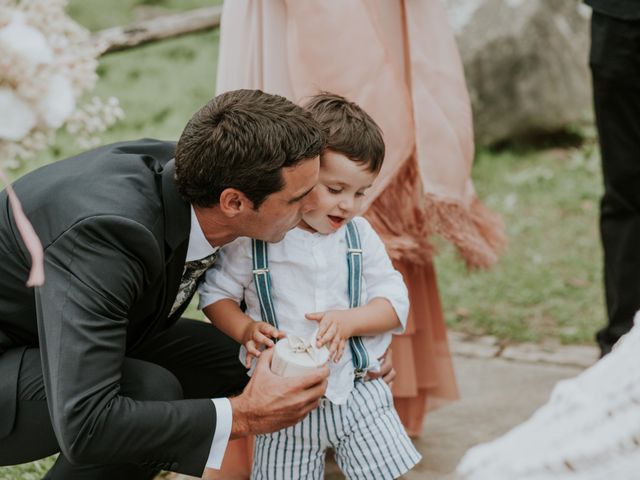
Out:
{"x": 199, "y": 247}
{"x": 309, "y": 274}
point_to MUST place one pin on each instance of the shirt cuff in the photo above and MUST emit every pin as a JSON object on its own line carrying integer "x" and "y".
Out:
{"x": 224, "y": 416}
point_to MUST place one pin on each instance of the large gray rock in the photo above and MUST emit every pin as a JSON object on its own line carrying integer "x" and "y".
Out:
{"x": 526, "y": 63}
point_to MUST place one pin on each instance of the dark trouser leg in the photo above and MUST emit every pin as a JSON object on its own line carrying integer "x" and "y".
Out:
{"x": 192, "y": 359}
{"x": 615, "y": 66}
{"x": 33, "y": 437}
{"x": 204, "y": 360}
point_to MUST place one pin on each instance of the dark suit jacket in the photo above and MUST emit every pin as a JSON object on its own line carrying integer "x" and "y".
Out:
{"x": 115, "y": 234}
{"x": 621, "y": 9}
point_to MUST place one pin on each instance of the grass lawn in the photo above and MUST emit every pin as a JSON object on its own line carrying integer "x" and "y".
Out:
{"x": 547, "y": 286}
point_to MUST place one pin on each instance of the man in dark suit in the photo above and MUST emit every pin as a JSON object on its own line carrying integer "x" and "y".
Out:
{"x": 615, "y": 68}
{"x": 97, "y": 363}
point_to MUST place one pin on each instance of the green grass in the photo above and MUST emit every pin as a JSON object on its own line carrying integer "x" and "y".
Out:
{"x": 29, "y": 471}
{"x": 548, "y": 283}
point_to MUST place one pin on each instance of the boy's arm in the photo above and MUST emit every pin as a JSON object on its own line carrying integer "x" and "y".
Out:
{"x": 383, "y": 282}
{"x": 227, "y": 316}
{"x": 376, "y": 317}
{"x": 223, "y": 289}
{"x": 220, "y": 294}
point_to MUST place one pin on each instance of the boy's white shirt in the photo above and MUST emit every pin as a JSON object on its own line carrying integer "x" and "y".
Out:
{"x": 309, "y": 274}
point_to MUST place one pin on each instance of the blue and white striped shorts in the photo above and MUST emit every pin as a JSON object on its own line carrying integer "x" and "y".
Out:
{"x": 366, "y": 434}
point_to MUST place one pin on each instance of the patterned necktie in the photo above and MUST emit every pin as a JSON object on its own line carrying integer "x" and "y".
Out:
{"x": 193, "y": 270}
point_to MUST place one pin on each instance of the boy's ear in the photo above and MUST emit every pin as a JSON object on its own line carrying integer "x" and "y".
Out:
{"x": 233, "y": 202}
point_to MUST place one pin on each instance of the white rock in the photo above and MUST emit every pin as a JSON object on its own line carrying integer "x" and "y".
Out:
{"x": 526, "y": 64}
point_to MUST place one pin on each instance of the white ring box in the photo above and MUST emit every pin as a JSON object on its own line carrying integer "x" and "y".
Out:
{"x": 294, "y": 356}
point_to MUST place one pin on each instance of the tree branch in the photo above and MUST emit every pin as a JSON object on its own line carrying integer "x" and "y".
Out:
{"x": 159, "y": 28}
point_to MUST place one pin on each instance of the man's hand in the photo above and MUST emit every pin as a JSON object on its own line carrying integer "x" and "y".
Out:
{"x": 258, "y": 334}
{"x": 270, "y": 402}
{"x": 332, "y": 331}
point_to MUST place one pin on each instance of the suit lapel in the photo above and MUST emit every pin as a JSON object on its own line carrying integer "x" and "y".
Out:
{"x": 177, "y": 213}
{"x": 177, "y": 217}
{"x": 176, "y": 229}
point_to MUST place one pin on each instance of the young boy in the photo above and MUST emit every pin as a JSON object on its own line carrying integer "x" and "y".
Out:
{"x": 330, "y": 274}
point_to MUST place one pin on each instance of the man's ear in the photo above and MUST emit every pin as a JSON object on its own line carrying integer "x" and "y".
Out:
{"x": 233, "y": 202}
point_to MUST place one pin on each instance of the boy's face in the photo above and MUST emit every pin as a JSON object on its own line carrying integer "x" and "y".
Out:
{"x": 339, "y": 193}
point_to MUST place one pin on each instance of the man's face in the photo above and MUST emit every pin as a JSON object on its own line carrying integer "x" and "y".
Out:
{"x": 282, "y": 210}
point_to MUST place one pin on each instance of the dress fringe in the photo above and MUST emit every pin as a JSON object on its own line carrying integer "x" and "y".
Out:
{"x": 405, "y": 217}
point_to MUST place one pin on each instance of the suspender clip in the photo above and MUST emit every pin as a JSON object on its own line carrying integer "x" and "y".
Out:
{"x": 259, "y": 271}
{"x": 354, "y": 250}
{"x": 360, "y": 373}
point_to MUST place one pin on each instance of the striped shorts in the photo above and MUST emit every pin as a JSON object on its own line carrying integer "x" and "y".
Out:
{"x": 366, "y": 434}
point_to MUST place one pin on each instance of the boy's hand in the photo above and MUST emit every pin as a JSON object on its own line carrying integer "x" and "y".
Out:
{"x": 333, "y": 331}
{"x": 259, "y": 334}
{"x": 387, "y": 372}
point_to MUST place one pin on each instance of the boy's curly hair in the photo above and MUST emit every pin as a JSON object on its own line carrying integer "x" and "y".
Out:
{"x": 349, "y": 129}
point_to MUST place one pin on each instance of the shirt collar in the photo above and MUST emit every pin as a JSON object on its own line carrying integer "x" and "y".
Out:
{"x": 199, "y": 247}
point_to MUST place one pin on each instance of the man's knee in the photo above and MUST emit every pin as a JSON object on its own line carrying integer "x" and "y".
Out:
{"x": 147, "y": 381}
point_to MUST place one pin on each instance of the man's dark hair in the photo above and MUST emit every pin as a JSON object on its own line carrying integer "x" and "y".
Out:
{"x": 349, "y": 129}
{"x": 243, "y": 139}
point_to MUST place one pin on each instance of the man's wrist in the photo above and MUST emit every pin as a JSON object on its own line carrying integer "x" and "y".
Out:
{"x": 240, "y": 424}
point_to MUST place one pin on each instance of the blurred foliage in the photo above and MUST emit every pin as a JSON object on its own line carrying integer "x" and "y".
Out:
{"x": 159, "y": 85}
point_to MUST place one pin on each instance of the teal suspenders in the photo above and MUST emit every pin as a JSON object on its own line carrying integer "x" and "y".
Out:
{"x": 263, "y": 282}
{"x": 354, "y": 261}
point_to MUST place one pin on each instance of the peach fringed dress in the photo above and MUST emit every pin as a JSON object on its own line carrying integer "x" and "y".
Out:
{"x": 398, "y": 60}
